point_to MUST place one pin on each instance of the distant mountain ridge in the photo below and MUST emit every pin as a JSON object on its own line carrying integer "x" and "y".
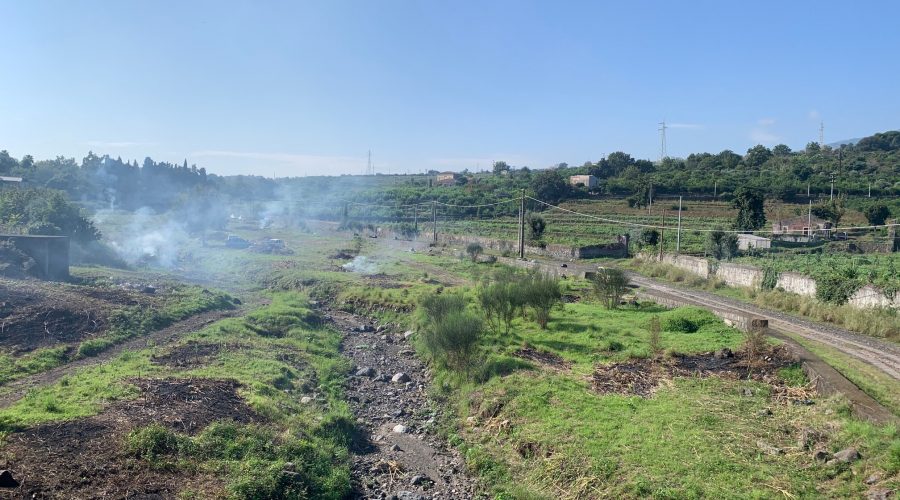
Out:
{"x": 848, "y": 142}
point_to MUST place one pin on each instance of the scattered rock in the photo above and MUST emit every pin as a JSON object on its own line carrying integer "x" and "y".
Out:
{"x": 306, "y": 400}
{"x": 879, "y": 494}
{"x": 383, "y": 377}
{"x": 400, "y": 429}
{"x": 821, "y": 455}
{"x": 407, "y": 495}
{"x": 804, "y": 402}
{"x": 289, "y": 466}
{"x": 747, "y": 392}
{"x": 874, "y": 478}
{"x": 418, "y": 480}
{"x": 768, "y": 449}
{"x": 365, "y": 372}
{"x": 724, "y": 353}
{"x": 408, "y": 334}
{"x": 400, "y": 378}
{"x": 471, "y": 421}
{"x": 765, "y": 412}
{"x": 7, "y": 480}
{"x": 394, "y": 447}
{"x": 364, "y": 328}
{"x": 807, "y": 438}
{"x": 847, "y": 455}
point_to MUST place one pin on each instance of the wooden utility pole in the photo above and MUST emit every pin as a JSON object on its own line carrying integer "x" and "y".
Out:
{"x": 433, "y": 221}
{"x": 522, "y": 226}
{"x": 662, "y": 235}
{"x": 678, "y": 235}
{"x": 416, "y": 218}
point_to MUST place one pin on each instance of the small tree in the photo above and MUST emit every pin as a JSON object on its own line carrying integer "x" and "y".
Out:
{"x": 474, "y": 250}
{"x": 751, "y": 209}
{"x": 536, "y": 226}
{"x": 609, "y": 286}
{"x": 877, "y": 214}
{"x": 721, "y": 245}
{"x": 648, "y": 238}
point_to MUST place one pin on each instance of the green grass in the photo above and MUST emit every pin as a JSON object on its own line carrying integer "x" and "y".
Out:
{"x": 278, "y": 353}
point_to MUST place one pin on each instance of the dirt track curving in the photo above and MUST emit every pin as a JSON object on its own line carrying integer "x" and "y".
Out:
{"x": 13, "y": 391}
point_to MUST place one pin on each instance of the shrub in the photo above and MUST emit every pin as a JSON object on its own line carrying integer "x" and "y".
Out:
{"x": 500, "y": 301}
{"x": 154, "y": 441}
{"x": 536, "y": 226}
{"x": 609, "y": 286}
{"x": 541, "y": 292}
{"x": 449, "y": 332}
{"x": 877, "y": 214}
{"x": 721, "y": 245}
{"x": 837, "y": 287}
{"x": 687, "y": 319}
{"x": 648, "y": 238}
{"x": 474, "y": 250}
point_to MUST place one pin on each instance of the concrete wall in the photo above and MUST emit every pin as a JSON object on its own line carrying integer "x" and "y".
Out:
{"x": 752, "y": 276}
{"x": 695, "y": 265}
{"x": 51, "y": 253}
{"x": 869, "y": 296}
{"x": 797, "y": 283}
{"x": 564, "y": 252}
{"x": 739, "y": 275}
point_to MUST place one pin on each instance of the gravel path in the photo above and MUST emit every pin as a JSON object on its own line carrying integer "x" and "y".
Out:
{"x": 399, "y": 454}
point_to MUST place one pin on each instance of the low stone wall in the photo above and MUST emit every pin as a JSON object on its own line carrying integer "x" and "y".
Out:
{"x": 869, "y": 296}
{"x": 800, "y": 284}
{"x": 739, "y": 275}
{"x": 695, "y": 265}
{"x": 752, "y": 276}
{"x": 619, "y": 249}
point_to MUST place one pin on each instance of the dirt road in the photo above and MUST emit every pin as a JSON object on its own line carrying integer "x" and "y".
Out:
{"x": 399, "y": 454}
{"x": 13, "y": 391}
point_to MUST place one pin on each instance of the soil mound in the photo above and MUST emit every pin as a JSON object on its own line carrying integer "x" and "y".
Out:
{"x": 190, "y": 355}
{"x": 86, "y": 459}
{"x": 543, "y": 357}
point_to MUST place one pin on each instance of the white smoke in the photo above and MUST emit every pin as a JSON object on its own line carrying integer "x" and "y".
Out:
{"x": 147, "y": 240}
{"x": 361, "y": 264}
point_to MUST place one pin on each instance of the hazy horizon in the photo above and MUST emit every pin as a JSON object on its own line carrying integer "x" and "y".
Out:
{"x": 292, "y": 89}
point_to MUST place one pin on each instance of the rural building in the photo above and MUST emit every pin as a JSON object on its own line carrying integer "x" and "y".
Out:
{"x": 750, "y": 241}
{"x": 50, "y": 253}
{"x": 802, "y": 225}
{"x": 588, "y": 181}
{"x": 446, "y": 179}
{"x": 10, "y": 181}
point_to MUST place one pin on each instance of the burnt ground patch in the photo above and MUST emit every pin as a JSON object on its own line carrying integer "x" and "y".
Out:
{"x": 35, "y": 314}
{"x": 189, "y": 355}
{"x": 642, "y": 376}
{"x": 543, "y": 357}
{"x": 86, "y": 458}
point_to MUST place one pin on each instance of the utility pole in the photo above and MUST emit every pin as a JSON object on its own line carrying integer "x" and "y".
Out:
{"x": 716, "y": 188}
{"x": 416, "y": 217}
{"x": 662, "y": 140}
{"x": 870, "y": 191}
{"x": 662, "y": 235}
{"x": 650, "y": 204}
{"x": 807, "y": 190}
{"x": 809, "y": 221}
{"x": 522, "y": 226}
{"x": 433, "y": 221}
{"x": 678, "y": 235}
{"x": 822, "y": 134}
{"x": 369, "y": 164}
{"x": 832, "y": 186}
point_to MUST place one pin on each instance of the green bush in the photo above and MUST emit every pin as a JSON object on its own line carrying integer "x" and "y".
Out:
{"x": 687, "y": 319}
{"x": 450, "y": 333}
{"x": 500, "y": 301}
{"x": 541, "y": 292}
{"x": 609, "y": 286}
{"x": 474, "y": 250}
{"x": 155, "y": 441}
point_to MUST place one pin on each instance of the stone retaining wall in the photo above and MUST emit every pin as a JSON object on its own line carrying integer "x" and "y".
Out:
{"x": 800, "y": 284}
{"x": 739, "y": 275}
{"x": 619, "y": 249}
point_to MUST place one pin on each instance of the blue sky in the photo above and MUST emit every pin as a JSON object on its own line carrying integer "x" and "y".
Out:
{"x": 294, "y": 88}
